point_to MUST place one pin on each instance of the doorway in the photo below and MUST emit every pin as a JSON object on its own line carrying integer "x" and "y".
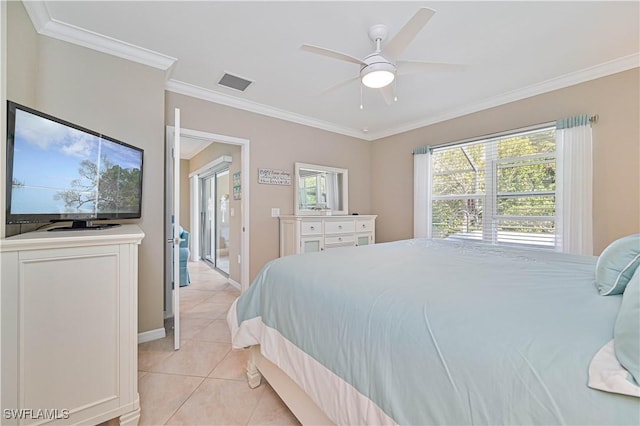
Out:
{"x": 214, "y": 218}
{"x": 192, "y": 220}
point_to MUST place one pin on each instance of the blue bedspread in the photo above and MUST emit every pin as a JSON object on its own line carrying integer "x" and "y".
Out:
{"x": 438, "y": 332}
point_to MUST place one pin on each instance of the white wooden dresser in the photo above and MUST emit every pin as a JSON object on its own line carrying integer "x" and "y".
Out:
{"x": 303, "y": 234}
{"x": 69, "y": 326}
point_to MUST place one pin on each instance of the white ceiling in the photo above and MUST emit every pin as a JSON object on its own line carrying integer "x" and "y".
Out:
{"x": 190, "y": 147}
{"x": 511, "y": 50}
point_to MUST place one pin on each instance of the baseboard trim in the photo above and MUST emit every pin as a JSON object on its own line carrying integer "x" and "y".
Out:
{"x": 234, "y": 283}
{"x": 147, "y": 336}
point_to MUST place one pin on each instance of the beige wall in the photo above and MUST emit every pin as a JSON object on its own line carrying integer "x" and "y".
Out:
{"x": 209, "y": 154}
{"x": 278, "y": 144}
{"x": 3, "y": 102}
{"x": 126, "y": 100}
{"x": 616, "y": 198}
{"x": 110, "y": 95}
{"x": 22, "y": 49}
{"x": 4, "y": 24}
{"x": 22, "y": 79}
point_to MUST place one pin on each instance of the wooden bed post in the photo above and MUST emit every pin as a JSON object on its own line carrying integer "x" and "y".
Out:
{"x": 254, "y": 377}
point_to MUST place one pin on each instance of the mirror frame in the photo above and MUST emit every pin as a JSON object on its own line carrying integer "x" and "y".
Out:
{"x": 345, "y": 190}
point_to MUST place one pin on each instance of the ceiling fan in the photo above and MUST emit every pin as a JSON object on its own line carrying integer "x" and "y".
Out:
{"x": 379, "y": 69}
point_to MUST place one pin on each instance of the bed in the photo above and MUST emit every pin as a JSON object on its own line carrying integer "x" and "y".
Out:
{"x": 431, "y": 332}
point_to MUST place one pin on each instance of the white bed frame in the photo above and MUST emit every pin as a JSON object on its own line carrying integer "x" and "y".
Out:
{"x": 300, "y": 404}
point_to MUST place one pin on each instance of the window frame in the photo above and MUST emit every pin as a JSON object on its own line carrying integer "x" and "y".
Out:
{"x": 490, "y": 197}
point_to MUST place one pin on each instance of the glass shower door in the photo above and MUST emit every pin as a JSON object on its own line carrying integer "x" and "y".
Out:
{"x": 207, "y": 215}
{"x": 215, "y": 220}
{"x": 222, "y": 221}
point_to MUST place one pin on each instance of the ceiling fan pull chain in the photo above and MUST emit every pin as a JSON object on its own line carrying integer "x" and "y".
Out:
{"x": 395, "y": 91}
{"x": 361, "y": 106}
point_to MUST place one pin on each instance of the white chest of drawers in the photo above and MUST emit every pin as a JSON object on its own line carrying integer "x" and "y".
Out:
{"x": 70, "y": 326}
{"x": 303, "y": 234}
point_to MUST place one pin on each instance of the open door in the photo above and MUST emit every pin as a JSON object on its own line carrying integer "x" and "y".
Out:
{"x": 172, "y": 228}
{"x": 176, "y": 231}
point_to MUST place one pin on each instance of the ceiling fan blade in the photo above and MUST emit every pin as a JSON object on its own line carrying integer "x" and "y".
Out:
{"x": 331, "y": 53}
{"x": 339, "y": 85}
{"x": 408, "y": 67}
{"x": 401, "y": 40}
{"x": 388, "y": 94}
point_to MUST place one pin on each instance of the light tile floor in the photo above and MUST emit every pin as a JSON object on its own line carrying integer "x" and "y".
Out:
{"x": 203, "y": 383}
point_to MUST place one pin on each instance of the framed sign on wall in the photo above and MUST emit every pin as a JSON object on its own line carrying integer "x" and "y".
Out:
{"x": 274, "y": 177}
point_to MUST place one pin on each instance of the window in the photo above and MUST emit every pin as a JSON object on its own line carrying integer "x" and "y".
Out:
{"x": 500, "y": 190}
{"x": 313, "y": 190}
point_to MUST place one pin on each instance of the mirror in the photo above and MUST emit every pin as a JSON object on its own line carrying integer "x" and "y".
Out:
{"x": 320, "y": 190}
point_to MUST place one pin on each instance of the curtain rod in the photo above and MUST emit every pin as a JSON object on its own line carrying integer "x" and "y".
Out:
{"x": 491, "y": 136}
{"x": 592, "y": 119}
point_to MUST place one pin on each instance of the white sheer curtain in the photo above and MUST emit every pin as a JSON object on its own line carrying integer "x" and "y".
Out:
{"x": 333, "y": 194}
{"x": 422, "y": 193}
{"x": 574, "y": 186}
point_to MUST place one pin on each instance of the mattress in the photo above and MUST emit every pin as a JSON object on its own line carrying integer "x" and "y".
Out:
{"x": 437, "y": 332}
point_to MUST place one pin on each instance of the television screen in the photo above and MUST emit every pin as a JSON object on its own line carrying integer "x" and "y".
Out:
{"x": 59, "y": 171}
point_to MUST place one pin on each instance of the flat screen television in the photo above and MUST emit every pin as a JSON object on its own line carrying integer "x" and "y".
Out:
{"x": 58, "y": 171}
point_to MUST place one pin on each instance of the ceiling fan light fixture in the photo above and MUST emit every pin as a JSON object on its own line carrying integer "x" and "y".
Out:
{"x": 377, "y": 75}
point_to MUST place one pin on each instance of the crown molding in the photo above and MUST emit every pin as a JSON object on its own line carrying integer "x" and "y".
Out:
{"x": 38, "y": 13}
{"x": 243, "y": 104}
{"x": 46, "y": 25}
{"x": 602, "y": 70}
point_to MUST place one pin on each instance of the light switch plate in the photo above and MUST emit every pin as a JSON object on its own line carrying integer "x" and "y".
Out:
{"x": 275, "y": 212}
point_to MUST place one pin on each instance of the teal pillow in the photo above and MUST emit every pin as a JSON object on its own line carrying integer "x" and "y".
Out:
{"x": 616, "y": 265}
{"x": 626, "y": 334}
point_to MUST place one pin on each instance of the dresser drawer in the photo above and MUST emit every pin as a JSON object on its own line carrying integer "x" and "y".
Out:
{"x": 339, "y": 240}
{"x": 311, "y": 228}
{"x": 364, "y": 225}
{"x": 302, "y": 234}
{"x": 338, "y": 227}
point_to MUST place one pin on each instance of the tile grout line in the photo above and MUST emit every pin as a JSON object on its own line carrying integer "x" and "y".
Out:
{"x": 262, "y": 383}
{"x": 185, "y": 400}
{"x": 201, "y": 295}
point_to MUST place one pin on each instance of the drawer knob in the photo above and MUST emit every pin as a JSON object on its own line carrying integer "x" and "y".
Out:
{"x": 313, "y": 227}
{"x": 339, "y": 226}
{"x": 339, "y": 238}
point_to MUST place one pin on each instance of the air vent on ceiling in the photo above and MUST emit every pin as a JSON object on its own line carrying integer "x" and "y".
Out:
{"x": 234, "y": 82}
